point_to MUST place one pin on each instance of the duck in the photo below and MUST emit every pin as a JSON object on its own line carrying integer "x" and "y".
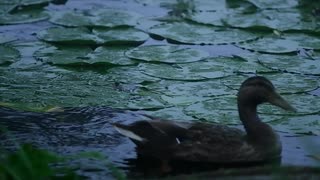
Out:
{"x": 169, "y": 140}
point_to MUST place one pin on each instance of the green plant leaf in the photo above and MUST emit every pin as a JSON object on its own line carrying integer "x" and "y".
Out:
{"x": 294, "y": 64}
{"x": 167, "y": 54}
{"x": 205, "y": 69}
{"x": 95, "y": 17}
{"x": 120, "y": 35}
{"x": 274, "y": 3}
{"x": 192, "y": 33}
{"x": 24, "y": 16}
{"x": 8, "y": 54}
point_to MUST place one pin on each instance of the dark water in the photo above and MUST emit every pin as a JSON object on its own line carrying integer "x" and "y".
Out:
{"x": 86, "y": 129}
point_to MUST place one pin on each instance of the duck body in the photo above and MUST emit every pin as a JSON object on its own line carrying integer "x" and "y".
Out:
{"x": 213, "y": 143}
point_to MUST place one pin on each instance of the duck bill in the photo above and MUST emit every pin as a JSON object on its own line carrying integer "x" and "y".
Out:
{"x": 277, "y": 100}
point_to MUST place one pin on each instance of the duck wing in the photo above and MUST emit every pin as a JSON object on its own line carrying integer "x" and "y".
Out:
{"x": 216, "y": 144}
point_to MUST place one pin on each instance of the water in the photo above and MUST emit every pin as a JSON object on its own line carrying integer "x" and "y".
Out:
{"x": 78, "y": 130}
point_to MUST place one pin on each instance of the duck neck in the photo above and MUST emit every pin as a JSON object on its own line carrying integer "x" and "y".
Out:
{"x": 249, "y": 118}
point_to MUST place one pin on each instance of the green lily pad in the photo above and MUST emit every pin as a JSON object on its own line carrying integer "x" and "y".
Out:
{"x": 274, "y": 3}
{"x": 220, "y": 110}
{"x": 182, "y": 101}
{"x": 205, "y": 69}
{"x": 273, "y": 19}
{"x": 167, "y": 54}
{"x": 64, "y": 55}
{"x": 6, "y": 8}
{"x": 129, "y": 75}
{"x": 309, "y": 124}
{"x": 209, "y": 17}
{"x": 24, "y": 16}
{"x": 291, "y": 63}
{"x": 286, "y": 43}
{"x": 82, "y": 35}
{"x": 68, "y": 35}
{"x": 122, "y": 35}
{"x": 304, "y": 103}
{"x": 207, "y": 88}
{"x": 5, "y": 38}
{"x": 200, "y": 34}
{"x": 8, "y": 54}
{"x": 41, "y": 89}
{"x": 25, "y": 2}
{"x": 110, "y": 54}
{"x": 271, "y": 44}
{"x": 285, "y": 83}
{"x": 95, "y": 17}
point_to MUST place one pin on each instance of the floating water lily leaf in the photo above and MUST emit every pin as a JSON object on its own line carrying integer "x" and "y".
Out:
{"x": 6, "y": 8}
{"x": 273, "y": 19}
{"x": 184, "y": 88}
{"x": 25, "y": 2}
{"x": 220, "y": 110}
{"x": 167, "y": 54}
{"x": 271, "y": 44}
{"x": 68, "y": 36}
{"x": 209, "y": 17}
{"x": 200, "y": 34}
{"x": 121, "y": 35}
{"x": 5, "y": 38}
{"x": 289, "y": 42}
{"x": 304, "y": 103}
{"x": 294, "y": 64}
{"x": 129, "y": 76}
{"x": 274, "y": 3}
{"x": 8, "y": 54}
{"x": 110, "y": 54}
{"x": 190, "y": 71}
{"x": 41, "y": 89}
{"x": 95, "y": 17}
{"x": 285, "y": 83}
{"x": 64, "y": 55}
{"x": 309, "y": 124}
{"x": 25, "y": 16}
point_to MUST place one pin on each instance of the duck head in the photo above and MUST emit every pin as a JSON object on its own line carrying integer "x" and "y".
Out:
{"x": 257, "y": 90}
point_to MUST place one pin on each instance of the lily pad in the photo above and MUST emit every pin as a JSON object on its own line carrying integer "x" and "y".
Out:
{"x": 206, "y": 69}
{"x": 24, "y": 16}
{"x": 273, "y": 19}
{"x": 5, "y": 38}
{"x": 304, "y": 103}
{"x": 167, "y": 54}
{"x": 95, "y": 17}
{"x": 68, "y": 35}
{"x": 309, "y": 124}
{"x": 285, "y": 83}
{"x": 209, "y": 17}
{"x": 292, "y": 63}
{"x": 122, "y": 35}
{"x": 82, "y": 35}
{"x": 42, "y": 89}
{"x": 8, "y": 54}
{"x": 221, "y": 110}
{"x": 129, "y": 75}
{"x": 25, "y": 2}
{"x": 64, "y": 55}
{"x": 286, "y": 43}
{"x": 110, "y": 54}
{"x": 274, "y": 3}
{"x": 192, "y": 33}
{"x": 207, "y": 88}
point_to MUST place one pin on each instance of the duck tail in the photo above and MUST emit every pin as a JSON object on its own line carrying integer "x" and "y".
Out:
{"x": 125, "y": 130}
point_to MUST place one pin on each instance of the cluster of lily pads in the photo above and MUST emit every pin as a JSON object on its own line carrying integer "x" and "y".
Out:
{"x": 102, "y": 57}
